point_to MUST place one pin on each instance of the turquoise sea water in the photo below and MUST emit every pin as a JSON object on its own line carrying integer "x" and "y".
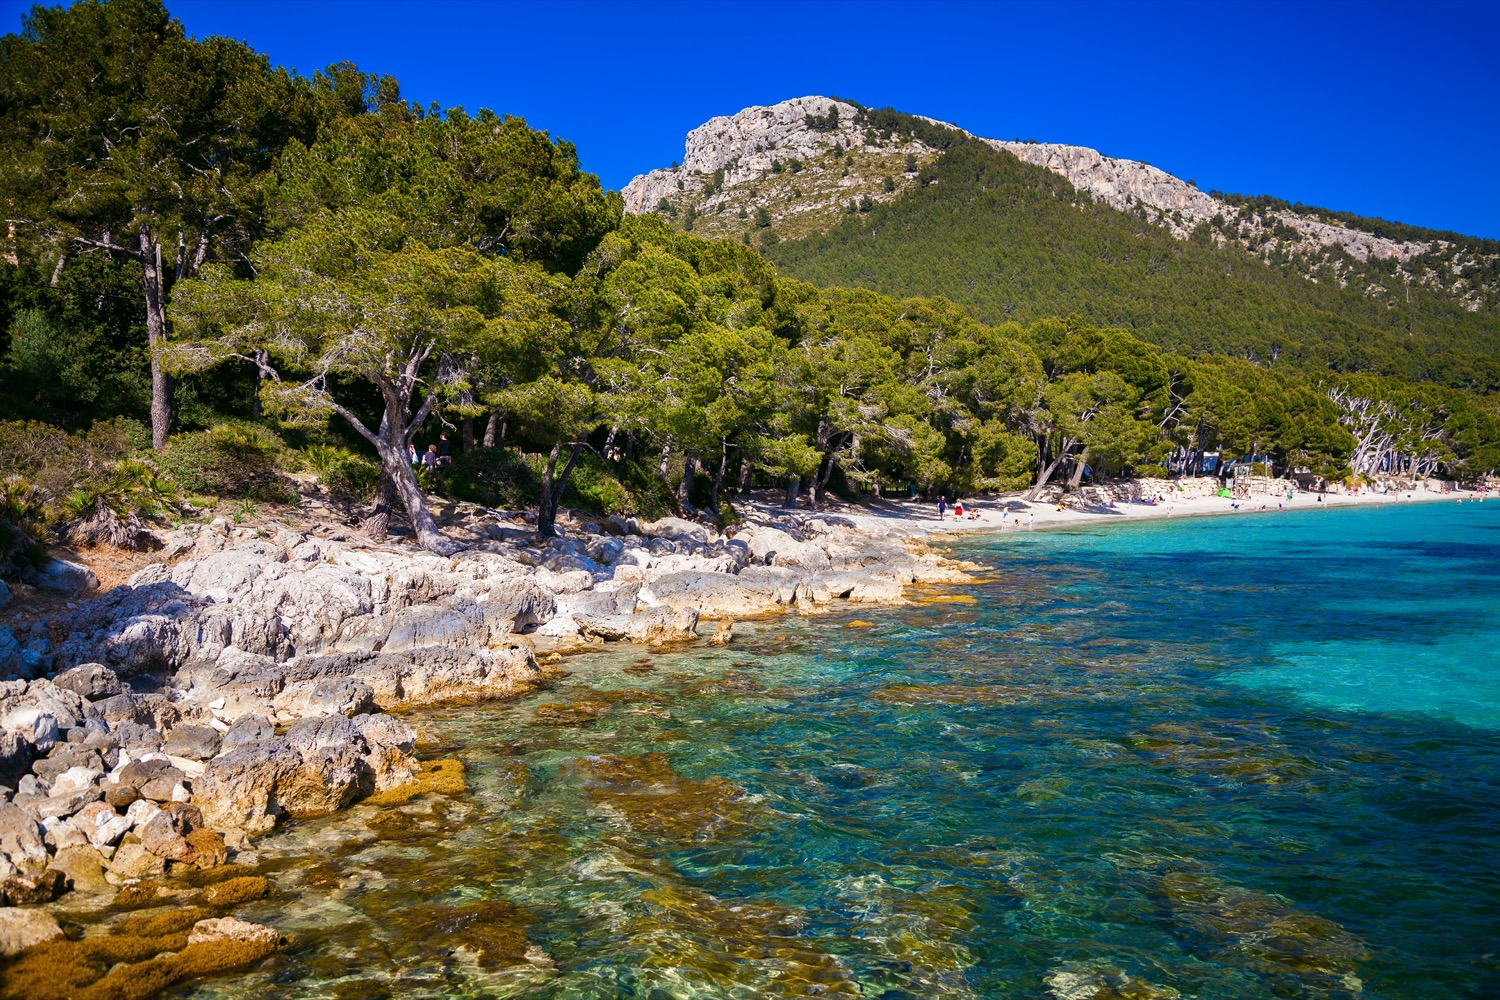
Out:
{"x": 1219, "y": 758}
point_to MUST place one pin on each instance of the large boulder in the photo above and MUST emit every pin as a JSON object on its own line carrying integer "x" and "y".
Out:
{"x": 23, "y": 845}
{"x": 22, "y": 928}
{"x": 66, "y": 577}
{"x": 33, "y": 725}
{"x": 775, "y": 547}
{"x": 344, "y": 696}
{"x": 317, "y": 604}
{"x": 229, "y": 573}
{"x": 91, "y": 681}
{"x": 193, "y": 742}
{"x": 652, "y": 625}
{"x": 721, "y": 595}
{"x": 427, "y": 675}
{"x": 250, "y": 787}
{"x": 16, "y": 756}
{"x": 676, "y": 528}
{"x": 15, "y": 659}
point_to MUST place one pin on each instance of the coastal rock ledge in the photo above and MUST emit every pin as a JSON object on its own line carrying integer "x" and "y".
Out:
{"x": 247, "y": 676}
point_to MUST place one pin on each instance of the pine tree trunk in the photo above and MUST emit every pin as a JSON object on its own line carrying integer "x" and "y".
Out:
{"x": 1045, "y": 474}
{"x": 262, "y": 358}
{"x": 156, "y": 333}
{"x": 466, "y": 433}
{"x": 820, "y": 484}
{"x": 793, "y": 487}
{"x": 1082, "y": 463}
{"x": 661, "y": 471}
{"x": 553, "y": 487}
{"x": 490, "y": 427}
{"x": 685, "y": 488}
{"x": 713, "y": 501}
{"x": 396, "y": 466}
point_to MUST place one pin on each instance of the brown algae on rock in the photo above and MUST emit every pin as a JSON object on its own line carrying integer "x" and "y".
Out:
{"x": 492, "y": 931}
{"x": 577, "y": 712}
{"x": 696, "y": 938}
{"x": 234, "y": 891}
{"x": 436, "y": 777}
{"x": 657, "y": 801}
{"x": 145, "y": 955}
{"x": 1266, "y": 934}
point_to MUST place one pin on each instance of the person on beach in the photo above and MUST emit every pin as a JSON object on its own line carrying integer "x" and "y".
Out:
{"x": 942, "y": 507}
{"x": 411, "y": 454}
{"x": 429, "y": 457}
{"x": 958, "y": 509}
{"x": 1030, "y": 520}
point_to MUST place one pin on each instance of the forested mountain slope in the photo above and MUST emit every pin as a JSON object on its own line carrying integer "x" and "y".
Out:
{"x": 908, "y": 206}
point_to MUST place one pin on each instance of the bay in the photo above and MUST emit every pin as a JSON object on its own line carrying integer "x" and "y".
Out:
{"x": 1231, "y": 757}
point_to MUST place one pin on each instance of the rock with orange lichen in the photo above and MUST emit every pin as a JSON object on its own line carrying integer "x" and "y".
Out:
{"x": 436, "y": 777}
{"x": 233, "y": 891}
{"x": 142, "y": 956}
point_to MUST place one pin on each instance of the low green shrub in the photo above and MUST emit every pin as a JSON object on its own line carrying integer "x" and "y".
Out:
{"x": 23, "y": 527}
{"x": 347, "y": 475}
{"x": 494, "y": 477}
{"x": 236, "y": 461}
{"x": 56, "y": 463}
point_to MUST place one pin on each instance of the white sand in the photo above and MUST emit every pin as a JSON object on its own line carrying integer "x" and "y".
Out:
{"x": 1011, "y": 513}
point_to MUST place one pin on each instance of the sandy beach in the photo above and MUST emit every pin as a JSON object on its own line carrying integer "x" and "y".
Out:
{"x": 1010, "y": 512}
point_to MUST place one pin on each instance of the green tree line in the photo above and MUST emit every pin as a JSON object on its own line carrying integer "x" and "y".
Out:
{"x": 1013, "y": 241}
{"x": 379, "y": 273}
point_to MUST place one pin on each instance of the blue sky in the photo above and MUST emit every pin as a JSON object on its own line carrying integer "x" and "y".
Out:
{"x": 1390, "y": 110}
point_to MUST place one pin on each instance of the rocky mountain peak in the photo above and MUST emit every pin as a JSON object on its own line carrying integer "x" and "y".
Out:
{"x": 799, "y": 165}
{"x": 794, "y": 168}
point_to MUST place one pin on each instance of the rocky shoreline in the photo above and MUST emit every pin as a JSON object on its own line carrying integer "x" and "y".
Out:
{"x": 247, "y": 676}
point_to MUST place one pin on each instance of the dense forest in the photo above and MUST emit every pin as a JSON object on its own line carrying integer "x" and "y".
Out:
{"x": 227, "y": 284}
{"x": 1012, "y": 241}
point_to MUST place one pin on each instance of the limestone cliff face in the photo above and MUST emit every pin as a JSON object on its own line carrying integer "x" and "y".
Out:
{"x": 1127, "y": 184}
{"x": 1180, "y": 207}
{"x": 807, "y": 174}
{"x": 745, "y": 146}
{"x": 771, "y": 158}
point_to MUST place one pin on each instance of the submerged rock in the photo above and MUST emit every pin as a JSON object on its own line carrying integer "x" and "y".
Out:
{"x": 657, "y": 801}
{"x": 492, "y": 932}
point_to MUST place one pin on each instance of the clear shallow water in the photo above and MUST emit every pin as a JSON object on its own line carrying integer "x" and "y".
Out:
{"x": 1220, "y": 758}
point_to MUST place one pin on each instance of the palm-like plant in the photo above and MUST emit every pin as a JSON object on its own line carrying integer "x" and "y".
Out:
{"x": 23, "y": 531}
{"x": 114, "y": 509}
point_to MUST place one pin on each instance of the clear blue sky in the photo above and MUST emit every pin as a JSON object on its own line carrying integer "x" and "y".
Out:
{"x": 1385, "y": 109}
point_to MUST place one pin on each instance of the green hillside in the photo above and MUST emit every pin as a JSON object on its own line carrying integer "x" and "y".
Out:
{"x": 1011, "y": 241}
